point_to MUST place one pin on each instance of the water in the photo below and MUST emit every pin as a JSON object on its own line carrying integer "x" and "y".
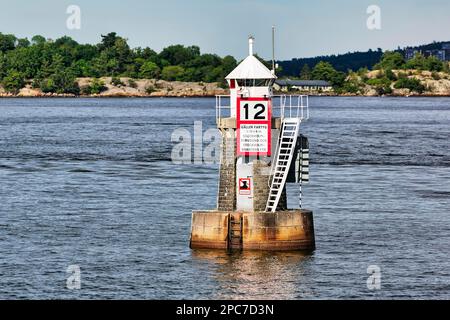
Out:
{"x": 90, "y": 182}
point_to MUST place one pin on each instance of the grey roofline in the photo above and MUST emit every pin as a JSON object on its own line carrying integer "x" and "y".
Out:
{"x": 287, "y": 82}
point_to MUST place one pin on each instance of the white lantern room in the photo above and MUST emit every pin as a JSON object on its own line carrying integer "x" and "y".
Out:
{"x": 250, "y": 79}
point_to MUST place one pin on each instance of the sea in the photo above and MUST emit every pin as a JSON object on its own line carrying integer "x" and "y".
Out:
{"x": 92, "y": 205}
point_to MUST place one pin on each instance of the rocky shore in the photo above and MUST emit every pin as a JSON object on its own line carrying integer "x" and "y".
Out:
{"x": 133, "y": 88}
{"x": 435, "y": 84}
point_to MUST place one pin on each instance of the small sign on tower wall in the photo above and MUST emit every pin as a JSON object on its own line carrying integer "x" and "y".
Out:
{"x": 245, "y": 186}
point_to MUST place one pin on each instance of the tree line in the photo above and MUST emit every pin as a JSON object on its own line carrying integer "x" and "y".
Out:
{"x": 343, "y": 62}
{"x": 54, "y": 65}
{"x": 393, "y": 69}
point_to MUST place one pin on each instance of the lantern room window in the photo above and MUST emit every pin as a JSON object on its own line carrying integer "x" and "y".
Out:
{"x": 254, "y": 82}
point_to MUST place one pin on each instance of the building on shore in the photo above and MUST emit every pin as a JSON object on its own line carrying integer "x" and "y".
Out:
{"x": 310, "y": 86}
{"x": 411, "y": 53}
{"x": 443, "y": 54}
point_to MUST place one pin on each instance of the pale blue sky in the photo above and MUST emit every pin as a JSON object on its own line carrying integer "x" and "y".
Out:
{"x": 304, "y": 28}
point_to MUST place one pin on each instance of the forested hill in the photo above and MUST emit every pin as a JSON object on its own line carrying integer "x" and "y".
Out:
{"x": 348, "y": 61}
{"x": 54, "y": 65}
{"x": 431, "y": 46}
{"x": 344, "y": 62}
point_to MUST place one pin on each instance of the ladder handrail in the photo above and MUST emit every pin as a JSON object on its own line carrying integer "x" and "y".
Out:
{"x": 277, "y": 151}
{"x": 276, "y": 188}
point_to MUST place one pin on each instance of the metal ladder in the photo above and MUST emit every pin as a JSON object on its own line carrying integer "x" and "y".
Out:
{"x": 285, "y": 153}
{"x": 235, "y": 232}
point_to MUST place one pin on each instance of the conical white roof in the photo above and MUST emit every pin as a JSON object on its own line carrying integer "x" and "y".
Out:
{"x": 251, "y": 68}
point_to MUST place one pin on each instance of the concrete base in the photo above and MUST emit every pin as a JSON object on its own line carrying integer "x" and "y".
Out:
{"x": 279, "y": 231}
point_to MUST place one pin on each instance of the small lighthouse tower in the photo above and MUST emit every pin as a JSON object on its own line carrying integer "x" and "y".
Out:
{"x": 262, "y": 150}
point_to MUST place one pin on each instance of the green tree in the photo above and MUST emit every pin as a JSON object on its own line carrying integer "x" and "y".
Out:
{"x": 3, "y": 65}
{"x": 390, "y": 75}
{"x": 13, "y": 82}
{"x": 434, "y": 64}
{"x": 146, "y": 54}
{"x": 108, "y": 41}
{"x": 172, "y": 73}
{"x": 7, "y": 42}
{"x": 46, "y": 85}
{"x": 115, "y": 55}
{"x": 179, "y": 54}
{"x": 38, "y": 40}
{"x": 214, "y": 74}
{"x": 228, "y": 63}
{"x": 23, "y": 43}
{"x": 116, "y": 81}
{"x": 43, "y": 61}
{"x": 305, "y": 73}
{"x": 391, "y": 61}
{"x": 381, "y": 85}
{"x": 325, "y": 71}
{"x": 418, "y": 62}
{"x": 446, "y": 67}
{"x": 95, "y": 87}
{"x": 63, "y": 81}
{"x": 149, "y": 70}
{"x": 82, "y": 68}
{"x": 410, "y": 83}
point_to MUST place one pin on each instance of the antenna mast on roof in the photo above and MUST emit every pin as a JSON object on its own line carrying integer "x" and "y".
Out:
{"x": 251, "y": 41}
{"x": 273, "y": 49}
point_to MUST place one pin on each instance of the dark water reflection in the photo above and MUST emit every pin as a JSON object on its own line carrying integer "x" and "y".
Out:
{"x": 257, "y": 275}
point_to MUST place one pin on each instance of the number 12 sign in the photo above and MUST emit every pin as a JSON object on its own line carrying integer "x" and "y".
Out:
{"x": 254, "y": 122}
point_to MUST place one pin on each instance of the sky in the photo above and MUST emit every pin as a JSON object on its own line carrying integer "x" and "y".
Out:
{"x": 303, "y": 28}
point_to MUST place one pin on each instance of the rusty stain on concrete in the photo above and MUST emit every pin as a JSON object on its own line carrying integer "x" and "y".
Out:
{"x": 281, "y": 230}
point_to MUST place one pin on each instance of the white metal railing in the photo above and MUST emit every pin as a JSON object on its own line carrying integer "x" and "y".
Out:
{"x": 223, "y": 107}
{"x": 291, "y": 106}
{"x": 283, "y": 106}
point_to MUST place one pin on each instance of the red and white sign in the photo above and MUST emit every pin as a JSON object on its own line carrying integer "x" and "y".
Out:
{"x": 254, "y": 124}
{"x": 245, "y": 186}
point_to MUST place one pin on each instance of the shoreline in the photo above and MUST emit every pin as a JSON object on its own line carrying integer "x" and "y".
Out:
{"x": 65, "y": 96}
{"x": 153, "y": 88}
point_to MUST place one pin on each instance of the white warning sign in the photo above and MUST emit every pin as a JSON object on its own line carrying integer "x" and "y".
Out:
{"x": 253, "y": 139}
{"x": 254, "y": 126}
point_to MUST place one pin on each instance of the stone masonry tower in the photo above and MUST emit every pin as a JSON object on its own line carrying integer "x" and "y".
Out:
{"x": 262, "y": 150}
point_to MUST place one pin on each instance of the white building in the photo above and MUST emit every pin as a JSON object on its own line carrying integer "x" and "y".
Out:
{"x": 303, "y": 85}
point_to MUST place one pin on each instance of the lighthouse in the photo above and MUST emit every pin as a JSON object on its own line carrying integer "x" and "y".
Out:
{"x": 262, "y": 150}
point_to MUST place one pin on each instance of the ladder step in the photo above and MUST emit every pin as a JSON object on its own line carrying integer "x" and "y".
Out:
{"x": 286, "y": 147}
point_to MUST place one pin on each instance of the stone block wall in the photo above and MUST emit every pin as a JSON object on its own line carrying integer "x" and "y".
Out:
{"x": 227, "y": 173}
{"x": 261, "y": 175}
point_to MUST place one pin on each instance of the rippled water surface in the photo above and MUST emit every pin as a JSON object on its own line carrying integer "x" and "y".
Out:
{"x": 90, "y": 182}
